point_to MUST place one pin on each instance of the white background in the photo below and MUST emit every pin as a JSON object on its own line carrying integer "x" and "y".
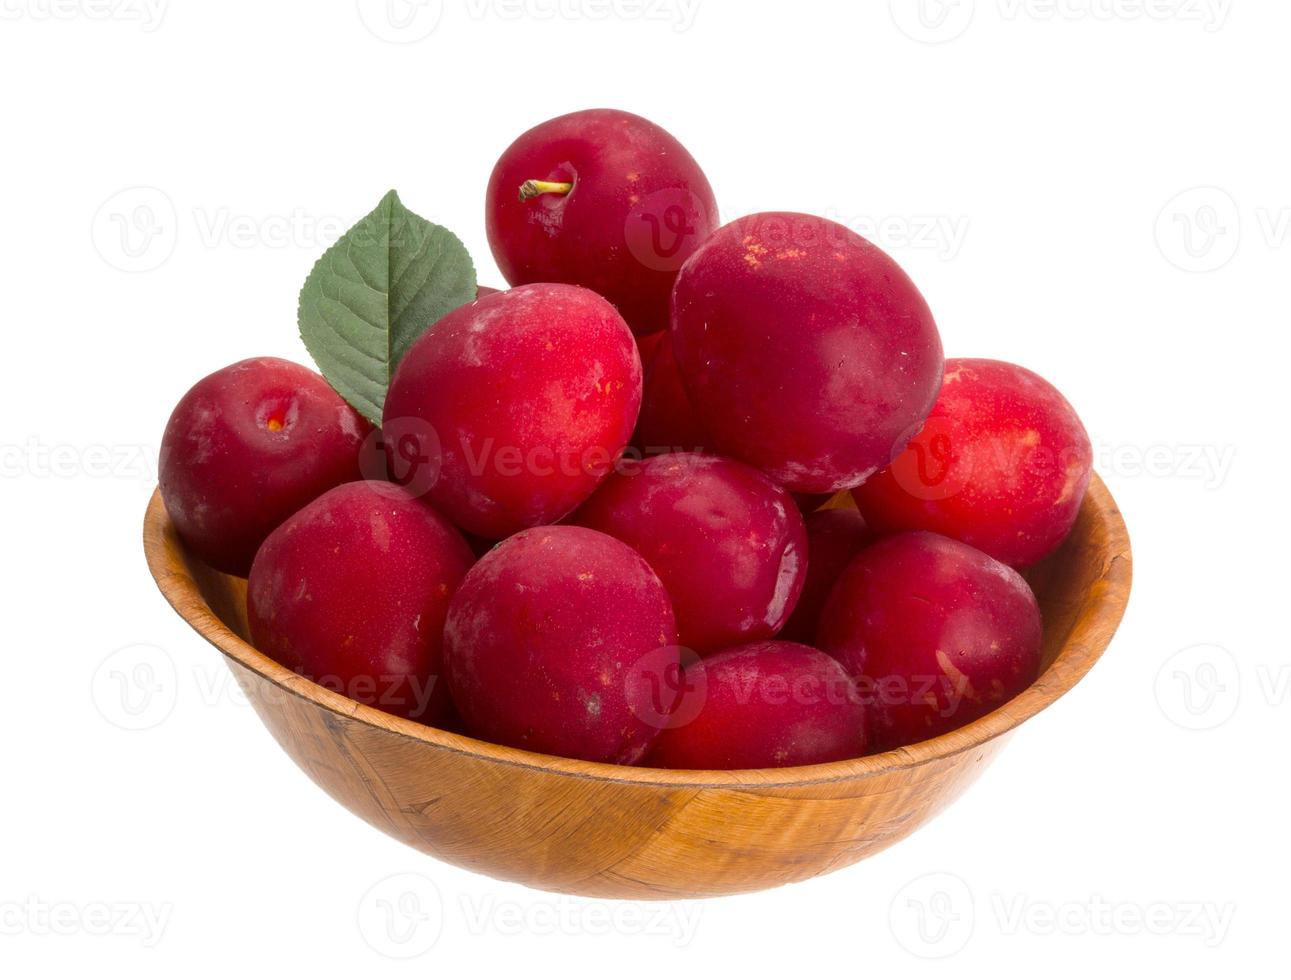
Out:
{"x": 1097, "y": 189}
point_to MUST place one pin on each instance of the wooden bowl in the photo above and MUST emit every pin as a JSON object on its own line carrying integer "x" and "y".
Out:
{"x": 620, "y": 832}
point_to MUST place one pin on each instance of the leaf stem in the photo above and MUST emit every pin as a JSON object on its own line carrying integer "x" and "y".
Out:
{"x": 532, "y": 188}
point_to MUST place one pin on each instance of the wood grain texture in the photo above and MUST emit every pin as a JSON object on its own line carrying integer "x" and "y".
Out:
{"x": 613, "y": 831}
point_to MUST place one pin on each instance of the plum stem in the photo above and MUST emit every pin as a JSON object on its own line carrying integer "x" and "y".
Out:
{"x": 532, "y": 188}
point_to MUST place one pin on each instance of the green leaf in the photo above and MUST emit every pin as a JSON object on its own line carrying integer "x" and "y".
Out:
{"x": 374, "y": 292}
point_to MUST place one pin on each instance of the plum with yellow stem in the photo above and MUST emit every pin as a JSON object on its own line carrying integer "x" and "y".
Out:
{"x": 603, "y": 199}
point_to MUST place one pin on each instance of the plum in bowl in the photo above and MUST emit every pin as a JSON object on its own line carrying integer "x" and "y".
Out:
{"x": 611, "y": 831}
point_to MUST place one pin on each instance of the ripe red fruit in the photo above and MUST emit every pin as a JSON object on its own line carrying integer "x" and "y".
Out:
{"x": 936, "y": 632}
{"x": 352, "y": 592}
{"x": 510, "y": 410}
{"x": 1002, "y": 463}
{"x": 647, "y": 345}
{"x": 728, "y": 544}
{"x": 668, "y": 423}
{"x": 246, "y": 448}
{"x": 834, "y": 538}
{"x": 805, "y": 350}
{"x": 762, "y": 705}
{"x": 610, "y": 201}
{"x": 558, "y": 641}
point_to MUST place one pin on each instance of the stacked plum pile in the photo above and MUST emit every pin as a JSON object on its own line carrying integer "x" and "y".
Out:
{"x": 685, "y": 495}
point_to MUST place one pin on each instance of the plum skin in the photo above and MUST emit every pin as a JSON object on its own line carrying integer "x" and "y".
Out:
{"x": 352, "y": 592}
{"x": 936, "y": 633}
{"x": 805, "y": 350}
{"x": 552, "y": 641}
{"x": 763, "y": 705}
{"x": 727, "y": 543}
{"x": 667, "y": 423}
{"x": 834, "y": 538}
{"x": 1002, "y": 463}
{"x": 246, "y": 448}
{"x": 648, "y": 344}
{"x": 510, "y": 410}
{"x": 640, "y": 205}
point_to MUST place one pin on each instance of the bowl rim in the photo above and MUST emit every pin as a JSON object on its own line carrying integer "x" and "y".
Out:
{"x": 1095, "y": 623}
